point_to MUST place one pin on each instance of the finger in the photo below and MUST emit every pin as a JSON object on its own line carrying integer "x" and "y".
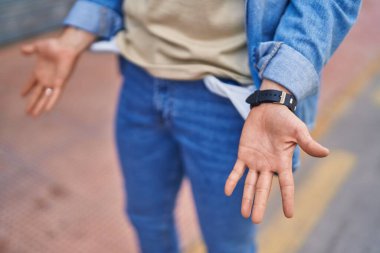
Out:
{"x": 28, "y": 87}
{"x": 39, "y": 105}
{"x": 52, "y": 99}
{"x": 36, "y": 94}
{"x": 234, "y": 177}
{"x": 28, "y": 49}
{"x": 309, "y": 145}
{"x": 249, "y": 193}
{"x": 287, "y": 192}
{"x": 263, "y": 186}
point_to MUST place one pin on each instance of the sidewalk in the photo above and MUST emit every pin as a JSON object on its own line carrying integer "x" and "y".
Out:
{"x": 350, "y": 221}
{"x": 60, "y": 187}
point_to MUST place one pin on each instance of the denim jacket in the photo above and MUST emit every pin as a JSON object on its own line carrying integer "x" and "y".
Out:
{"x": 289, "y": 41}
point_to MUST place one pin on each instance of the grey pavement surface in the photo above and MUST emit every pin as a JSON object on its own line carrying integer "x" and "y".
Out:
{"x": 351, "y": 223}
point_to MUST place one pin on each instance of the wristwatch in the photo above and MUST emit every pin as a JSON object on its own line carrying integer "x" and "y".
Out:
{"x": 272, "y": 96}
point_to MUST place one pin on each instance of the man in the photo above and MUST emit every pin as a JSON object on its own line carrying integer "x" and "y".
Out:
{"x": 169, "y": 125}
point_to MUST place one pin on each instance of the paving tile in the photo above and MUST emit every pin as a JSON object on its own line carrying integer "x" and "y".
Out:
{"x": 60, "y": 185}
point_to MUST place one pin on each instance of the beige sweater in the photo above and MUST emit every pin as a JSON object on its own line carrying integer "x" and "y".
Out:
{"x": 186, "y": 39}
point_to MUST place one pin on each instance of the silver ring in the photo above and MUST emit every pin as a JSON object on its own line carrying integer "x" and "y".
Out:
{"x": 48, "y": 91}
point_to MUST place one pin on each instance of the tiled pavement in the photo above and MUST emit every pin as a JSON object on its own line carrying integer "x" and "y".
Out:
{"x": 60, "y": 188}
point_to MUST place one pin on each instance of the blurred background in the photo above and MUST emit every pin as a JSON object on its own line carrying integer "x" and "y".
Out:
{"x": 61, "y": 189}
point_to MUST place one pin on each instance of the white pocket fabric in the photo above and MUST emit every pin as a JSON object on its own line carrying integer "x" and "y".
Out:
{"x": 236, "y": 94}
{"x": 105, "y": 46}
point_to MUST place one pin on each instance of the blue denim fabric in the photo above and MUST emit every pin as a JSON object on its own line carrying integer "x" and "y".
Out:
{"x": 101, "y": 17}
{"x": 166, "y": 130}
{"x": 289, "y": 41}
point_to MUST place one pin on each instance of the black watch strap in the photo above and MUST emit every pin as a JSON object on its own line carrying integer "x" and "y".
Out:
{"x": 272, "y": 96}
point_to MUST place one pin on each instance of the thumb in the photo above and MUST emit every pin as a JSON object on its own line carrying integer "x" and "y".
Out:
{"x": 309, "y": 145}
{"x": 28, "y": 49}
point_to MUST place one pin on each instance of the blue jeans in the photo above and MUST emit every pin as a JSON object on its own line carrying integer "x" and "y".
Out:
{"x": 168, "y": 129}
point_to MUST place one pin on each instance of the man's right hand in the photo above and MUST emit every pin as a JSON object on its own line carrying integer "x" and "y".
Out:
{"x": 55, "y": 62}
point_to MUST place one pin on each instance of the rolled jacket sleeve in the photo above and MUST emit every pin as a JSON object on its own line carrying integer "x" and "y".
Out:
{"x": 308, "y": 34}
{"x": 102, "y": 18}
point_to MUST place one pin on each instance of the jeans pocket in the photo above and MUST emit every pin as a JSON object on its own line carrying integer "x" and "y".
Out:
{"x": 236, "y": 93}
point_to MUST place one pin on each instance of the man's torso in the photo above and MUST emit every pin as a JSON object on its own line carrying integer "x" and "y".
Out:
{"x": 179, "y": 39}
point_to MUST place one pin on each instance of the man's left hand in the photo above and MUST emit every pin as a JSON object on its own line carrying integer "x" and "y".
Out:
{"x": 269, "y": 137}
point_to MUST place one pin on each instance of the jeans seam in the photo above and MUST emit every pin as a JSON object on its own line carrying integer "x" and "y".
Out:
{"x": 156, "y": 96}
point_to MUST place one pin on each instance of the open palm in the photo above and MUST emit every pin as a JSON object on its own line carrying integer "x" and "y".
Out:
{"x": 269, "y": 137}
{"x": 54, "y": 64}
